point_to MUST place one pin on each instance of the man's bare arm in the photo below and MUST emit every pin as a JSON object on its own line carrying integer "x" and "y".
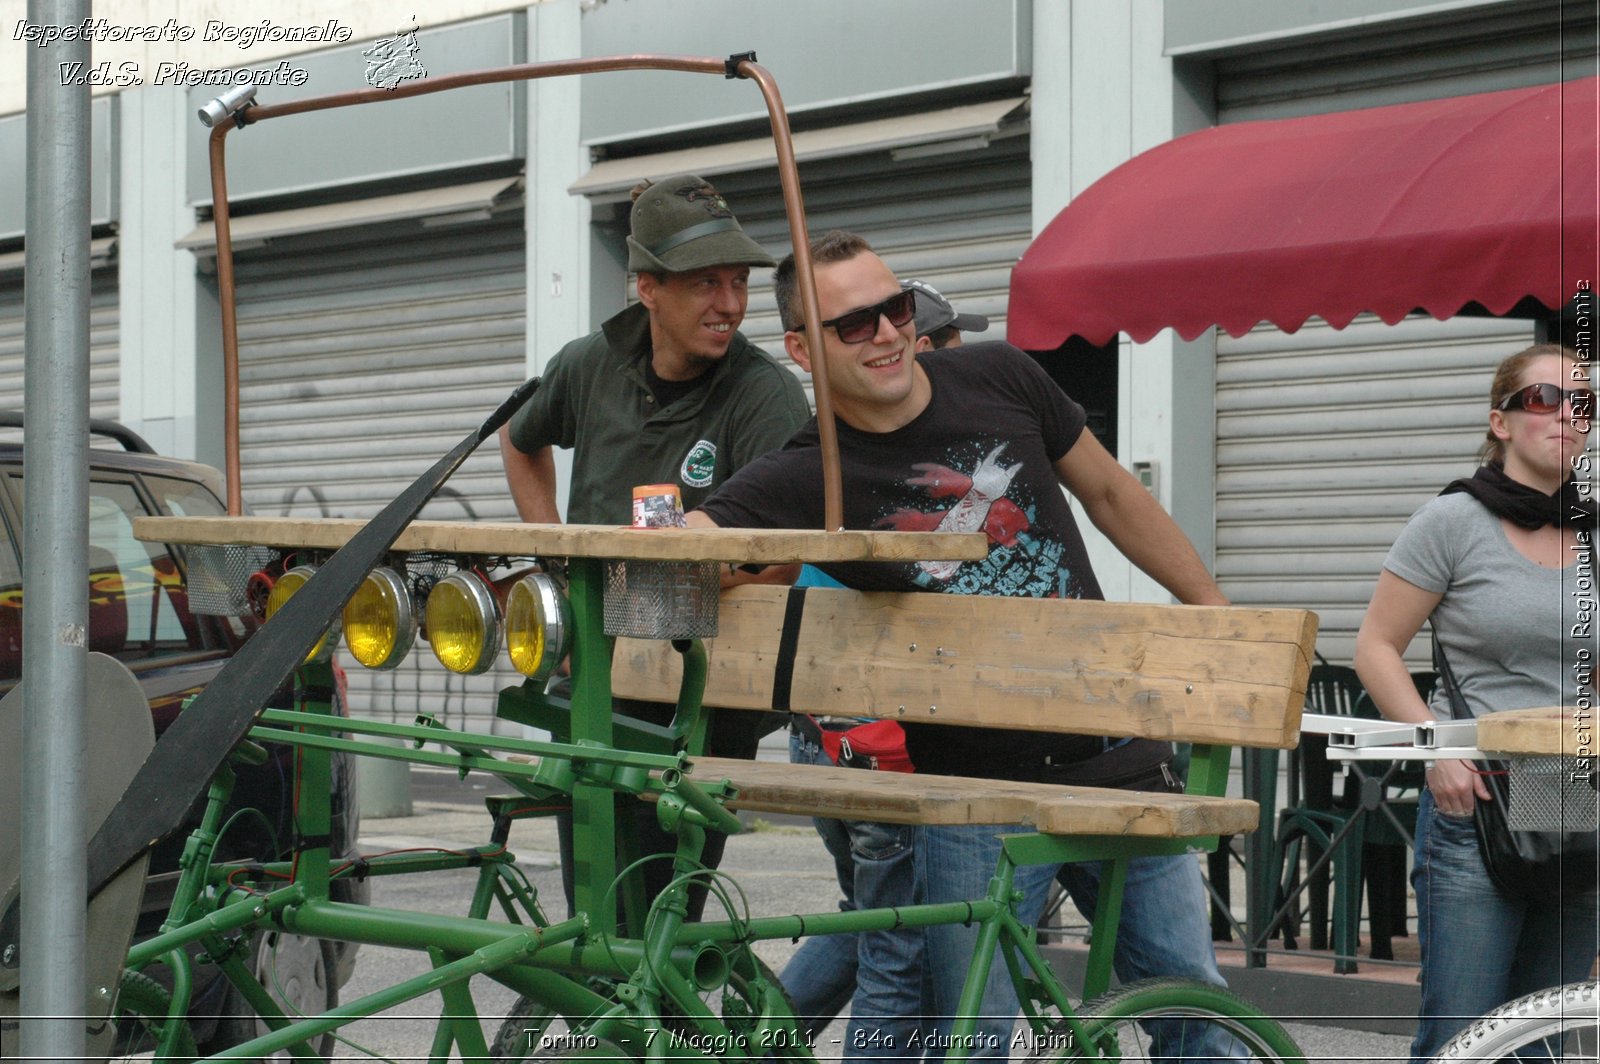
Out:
{"x": 532, "y": 480}
{"x": 1134, "y": 521}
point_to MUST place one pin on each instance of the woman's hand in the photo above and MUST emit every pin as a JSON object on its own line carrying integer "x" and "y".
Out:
{"x": 1456, "y": 787}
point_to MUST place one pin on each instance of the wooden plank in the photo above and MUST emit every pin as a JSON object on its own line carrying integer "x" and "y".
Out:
{"x": 916, "y": 798}
{"x": 1545, "y": 730}
{"x": 765, "y": 546}
{"x": 1187, "y": 673}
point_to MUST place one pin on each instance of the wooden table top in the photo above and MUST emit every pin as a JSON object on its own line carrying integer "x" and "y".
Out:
{"x": 763, "y": 546}
{"x": 1546, "y": 730}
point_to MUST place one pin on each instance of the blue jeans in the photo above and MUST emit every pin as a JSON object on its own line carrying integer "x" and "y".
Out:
{"x": 879, "y": 973}
{"x": 1481, "y": 948}
{"x": 1165, "y": 930}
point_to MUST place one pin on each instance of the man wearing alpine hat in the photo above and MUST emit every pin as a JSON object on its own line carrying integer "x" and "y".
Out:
{"x": 666, "y": 392}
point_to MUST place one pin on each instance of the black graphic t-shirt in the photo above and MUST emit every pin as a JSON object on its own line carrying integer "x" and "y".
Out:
{"x": 981, "y": 457}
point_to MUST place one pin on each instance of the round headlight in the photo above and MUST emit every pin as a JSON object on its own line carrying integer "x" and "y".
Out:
{"x": 379, "y": 623}
{"x": 463, "y": 623}
{"x": 537, "y": 625}
{"x": 283, "y": 590}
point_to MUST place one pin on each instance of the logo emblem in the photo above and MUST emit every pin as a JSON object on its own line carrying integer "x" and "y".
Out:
{"x": 707, "y": 197}
{"x": 391, "y": 61}
{"x": 700, "y": 465}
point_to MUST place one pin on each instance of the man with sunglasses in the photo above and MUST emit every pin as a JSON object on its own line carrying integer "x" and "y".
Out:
{"x": 977, "y": 438}
{"x": 667, "y": 391}
{"x": 873, "y": 862}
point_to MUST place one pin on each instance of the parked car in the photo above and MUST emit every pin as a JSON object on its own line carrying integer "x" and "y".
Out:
{"x": 139, "y": 614}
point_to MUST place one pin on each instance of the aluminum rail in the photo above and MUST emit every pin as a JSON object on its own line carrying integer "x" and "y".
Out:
{"x": 741, "y": 66}
{"x": 1360, "y": 739}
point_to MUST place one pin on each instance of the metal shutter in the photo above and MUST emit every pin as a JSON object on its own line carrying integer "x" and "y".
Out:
{"x": 1499, "y": 46}
{"x": 1328, "y": 440}
{"x": 365, "y": 355}
{"x": 105, "y": 357}
{"x": 958, "y": 221}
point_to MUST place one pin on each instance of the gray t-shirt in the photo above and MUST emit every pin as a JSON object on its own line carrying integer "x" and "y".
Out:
{"x": 1511, "y": 629}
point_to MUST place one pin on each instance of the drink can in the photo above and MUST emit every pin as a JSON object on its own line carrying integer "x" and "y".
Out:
{"x": 657, "y": 506}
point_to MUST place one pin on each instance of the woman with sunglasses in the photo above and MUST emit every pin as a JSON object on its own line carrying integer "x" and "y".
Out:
{"x": 1492, "y": 562}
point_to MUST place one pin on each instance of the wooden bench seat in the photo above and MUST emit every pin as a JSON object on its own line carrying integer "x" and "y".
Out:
{"x": 918, "y": 798}
{"x": 1215, "y": 677}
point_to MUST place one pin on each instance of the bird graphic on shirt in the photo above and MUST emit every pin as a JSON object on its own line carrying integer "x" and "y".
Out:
{"x": 980, "y": 505}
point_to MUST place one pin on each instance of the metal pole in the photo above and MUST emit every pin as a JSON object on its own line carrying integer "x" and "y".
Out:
{"x": 55, "y": 542}
{"x": 734, "y": 66}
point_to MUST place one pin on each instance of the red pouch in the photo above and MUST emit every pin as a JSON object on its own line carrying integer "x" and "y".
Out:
{"x": 877, "y": 744}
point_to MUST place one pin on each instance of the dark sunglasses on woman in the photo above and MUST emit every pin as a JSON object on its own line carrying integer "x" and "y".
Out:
{"x": 1546, "y": 399}
{"x": 861, "y": 325}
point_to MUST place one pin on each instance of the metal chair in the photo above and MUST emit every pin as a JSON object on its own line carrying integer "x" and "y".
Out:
{"x": 1322, "y": 828}
{"x": 1357, "y": 836}
{"x": 1388, "y": 838}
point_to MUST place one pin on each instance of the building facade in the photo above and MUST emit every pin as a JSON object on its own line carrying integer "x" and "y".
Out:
{"x": 400, "y": 266}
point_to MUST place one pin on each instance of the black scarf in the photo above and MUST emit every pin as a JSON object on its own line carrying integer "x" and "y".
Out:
{"x": 1524, "y": 506}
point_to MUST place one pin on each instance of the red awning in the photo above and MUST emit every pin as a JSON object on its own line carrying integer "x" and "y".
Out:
{"x": 1483, "y": 199}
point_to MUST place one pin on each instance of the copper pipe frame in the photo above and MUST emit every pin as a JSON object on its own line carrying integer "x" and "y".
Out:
{"x": 788, "y": 175}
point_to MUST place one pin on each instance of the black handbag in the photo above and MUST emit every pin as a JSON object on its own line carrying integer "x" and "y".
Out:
{"x": 1536, "y": 866}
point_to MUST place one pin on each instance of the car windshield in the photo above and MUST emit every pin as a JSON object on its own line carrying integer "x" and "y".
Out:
{"x": 137, "y": 603}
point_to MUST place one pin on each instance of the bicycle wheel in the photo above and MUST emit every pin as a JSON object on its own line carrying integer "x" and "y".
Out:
{"x": 532, "y": 1031}
{"x": 1170, "y": 1019}
{"x": 1054, "y": 919}
{"x": 1557, "y": 1023}
{"x": 142, "y": 1003}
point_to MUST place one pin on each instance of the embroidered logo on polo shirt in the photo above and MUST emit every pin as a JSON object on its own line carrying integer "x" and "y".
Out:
{"x": 699, "y": 465}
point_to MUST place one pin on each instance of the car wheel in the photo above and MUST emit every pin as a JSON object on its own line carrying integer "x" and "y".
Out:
{"x": 299, "y": 974}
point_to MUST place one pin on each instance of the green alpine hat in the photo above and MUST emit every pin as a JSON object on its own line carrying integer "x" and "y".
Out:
{"x": 681, "y": 223}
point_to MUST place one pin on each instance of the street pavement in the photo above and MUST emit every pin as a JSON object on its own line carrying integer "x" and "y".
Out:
{"x": 780, "y": 867}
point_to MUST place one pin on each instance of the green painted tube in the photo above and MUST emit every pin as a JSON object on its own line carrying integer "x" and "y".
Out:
{"x": 494, "y": 956}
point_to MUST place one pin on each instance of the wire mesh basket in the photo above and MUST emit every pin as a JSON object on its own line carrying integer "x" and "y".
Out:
{"x": 218, "y": 576}
{"x": 661, "y": 600}
{"x": 1552, "y": 794}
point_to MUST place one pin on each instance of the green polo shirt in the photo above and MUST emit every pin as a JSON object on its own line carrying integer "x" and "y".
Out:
{"x": 593, "y": 398}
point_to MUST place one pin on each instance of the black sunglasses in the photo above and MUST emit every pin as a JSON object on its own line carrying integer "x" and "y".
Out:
{"x": 861, "y": 325}
{"x": 1546, "y": 399}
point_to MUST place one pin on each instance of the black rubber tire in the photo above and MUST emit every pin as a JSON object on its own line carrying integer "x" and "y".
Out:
{"x": 520, "y": 1030}
{"x": 140, "y": 997}
{"x": 530, "y": 1027}
{"x": 1114, "y": 1024}
{"x": 1551, "y": 1019}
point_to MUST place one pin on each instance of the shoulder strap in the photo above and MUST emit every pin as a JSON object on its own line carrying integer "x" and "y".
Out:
{"x": 1441, "y": 665}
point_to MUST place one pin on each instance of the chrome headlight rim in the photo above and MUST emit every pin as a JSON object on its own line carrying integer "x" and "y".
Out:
{"x": 323, "y": 651}
{"x": 481, "y": 600}
{"x": 552, "y": 614}
{"x": 393, "y": 586}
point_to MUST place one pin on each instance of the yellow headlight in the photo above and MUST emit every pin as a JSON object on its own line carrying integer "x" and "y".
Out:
{"x": 287, "y": 585}
{"x": 538, "y": 622}
{"x": 463, "y": 623}
{"x": 379, "y": 623}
